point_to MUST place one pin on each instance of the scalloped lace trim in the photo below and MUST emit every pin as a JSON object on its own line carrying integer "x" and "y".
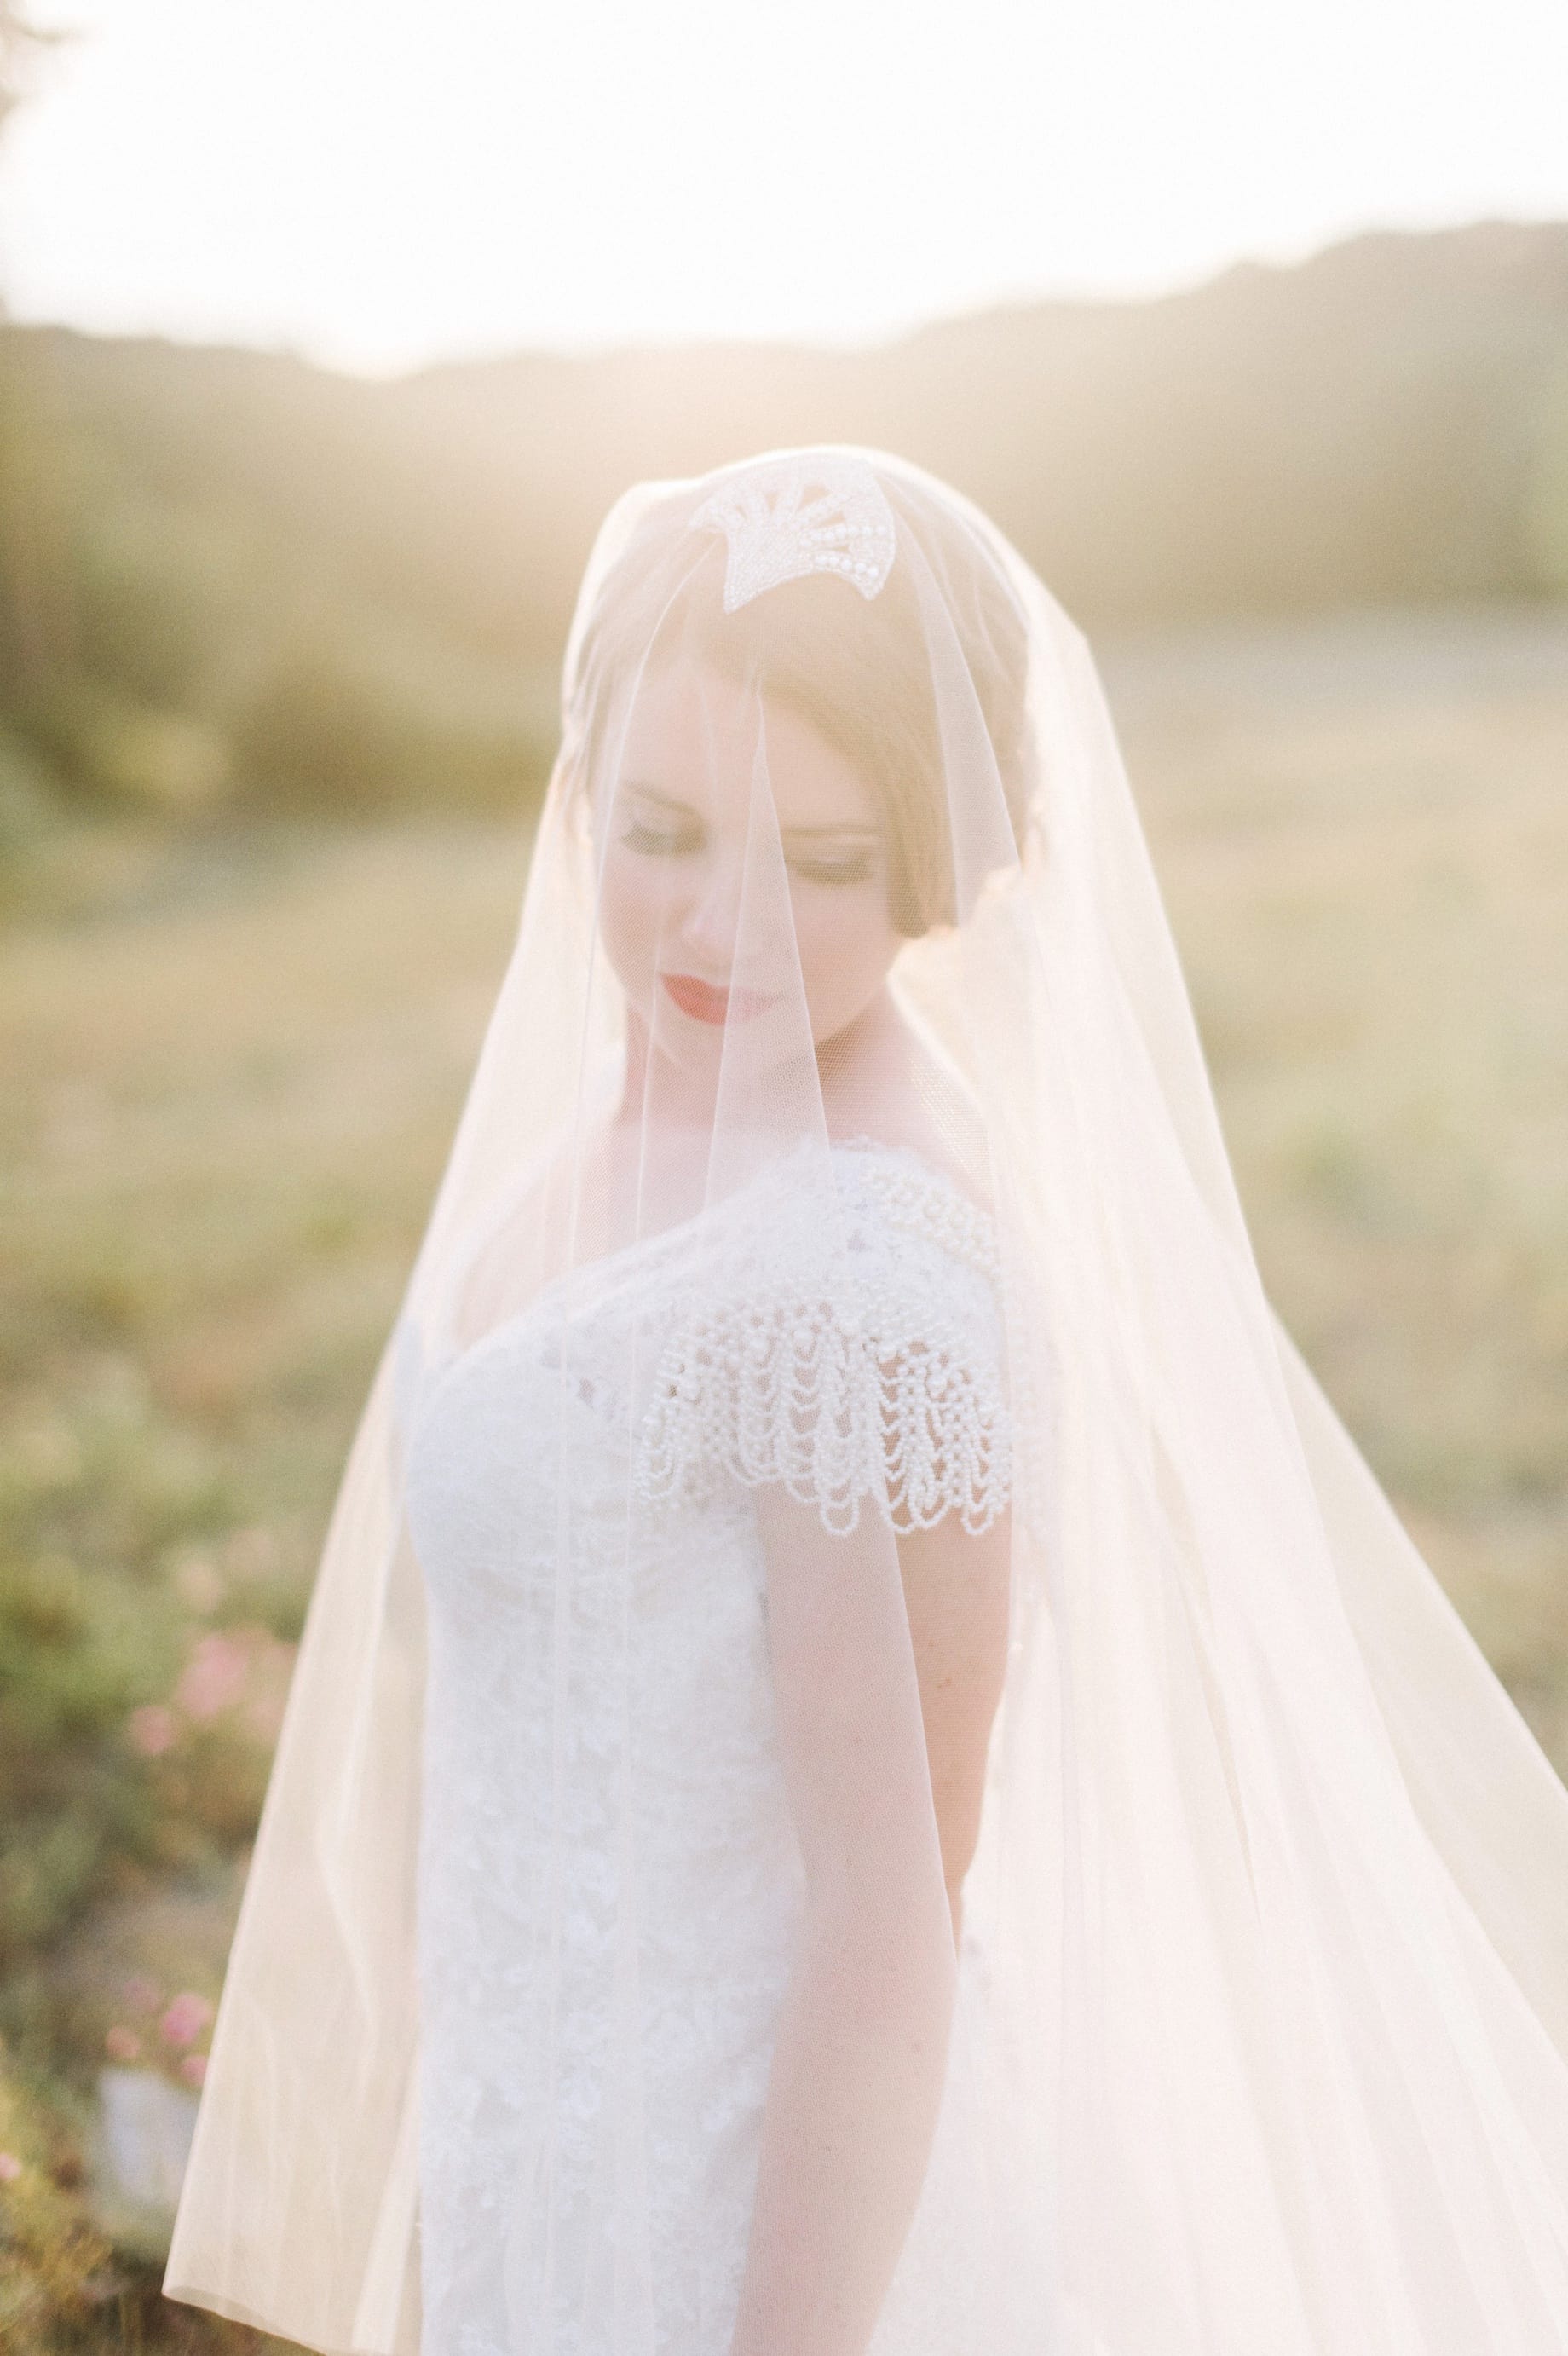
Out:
{"x": 807, "y": 1394}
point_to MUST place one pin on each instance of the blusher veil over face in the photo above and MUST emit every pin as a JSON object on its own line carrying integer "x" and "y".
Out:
{"x": 1258, "y": 2036}
{"x": 672, "y": 865}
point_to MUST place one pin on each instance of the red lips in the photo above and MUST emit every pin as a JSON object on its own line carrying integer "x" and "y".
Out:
{"x": 704, "y": 1002}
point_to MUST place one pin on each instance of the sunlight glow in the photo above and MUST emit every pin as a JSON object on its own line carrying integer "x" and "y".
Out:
{"x": 378, "y": 184}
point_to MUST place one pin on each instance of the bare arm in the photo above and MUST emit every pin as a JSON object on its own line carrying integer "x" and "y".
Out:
{"x": 887, "y": 1671}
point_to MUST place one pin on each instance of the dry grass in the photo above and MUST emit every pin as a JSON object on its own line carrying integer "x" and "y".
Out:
{"x": 1362, "y": 832}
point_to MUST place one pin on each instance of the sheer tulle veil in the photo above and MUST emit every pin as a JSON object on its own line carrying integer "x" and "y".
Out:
{"x": 1260, "y": 2040}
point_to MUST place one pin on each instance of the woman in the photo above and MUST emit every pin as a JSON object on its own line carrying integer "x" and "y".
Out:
{"x": 869, "y": 1766}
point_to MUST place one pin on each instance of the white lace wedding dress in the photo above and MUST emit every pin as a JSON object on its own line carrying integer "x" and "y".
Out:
{"x": 543, "y": 1789}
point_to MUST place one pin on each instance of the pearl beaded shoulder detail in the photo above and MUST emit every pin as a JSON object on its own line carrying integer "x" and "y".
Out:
{"x": 853, "y": 1360}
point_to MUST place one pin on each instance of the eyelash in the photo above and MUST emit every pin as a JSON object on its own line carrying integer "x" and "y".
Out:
{"x": 661, "y": 845}
{"x": 656, "y": 843}
{"x": 819, "y": 870}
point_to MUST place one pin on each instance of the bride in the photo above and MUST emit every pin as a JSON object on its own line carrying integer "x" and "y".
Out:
{"x": 868, "y": 1767}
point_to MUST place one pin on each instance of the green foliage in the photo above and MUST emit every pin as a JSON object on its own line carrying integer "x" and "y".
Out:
{"x": 351, "y": 729}
{"x": 183, "y": 629}
{"x": 230, "y": 579}
{"x": 89, "y": 1632}
{"x": 55, "y": 2265}
{"x": 123, "y": 754}
{"x": 66, "y": 2288}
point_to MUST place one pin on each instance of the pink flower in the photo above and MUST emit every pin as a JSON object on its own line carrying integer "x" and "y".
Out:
{"x": 186, "y": 2018}
{"x": 122, "y": 2044}
{"x": 271, "y": 1671}
{"x": 214, "y": 1676}
{"x": 10, "y": 2168}
{"x": 152, "y": 1728}
{"x": 193, "y": 2068}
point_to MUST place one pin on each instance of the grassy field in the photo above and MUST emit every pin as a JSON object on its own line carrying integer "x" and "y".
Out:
{"x": 1362, "y": 833}
{"x": 229, "y": 1072}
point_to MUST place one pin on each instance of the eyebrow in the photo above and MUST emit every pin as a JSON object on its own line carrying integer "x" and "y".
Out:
{"x": 652, "y": 794}
{"x": 832, "y": 833}
{"x": 845, "y": 833}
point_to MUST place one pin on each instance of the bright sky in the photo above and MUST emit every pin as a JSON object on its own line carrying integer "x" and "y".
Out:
{"x": 378, "y": 184}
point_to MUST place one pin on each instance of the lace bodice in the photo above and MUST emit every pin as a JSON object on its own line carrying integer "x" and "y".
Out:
{"x": 609, "y": 1882}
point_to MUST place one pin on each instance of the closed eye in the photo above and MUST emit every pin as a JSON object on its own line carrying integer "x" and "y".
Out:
{"x": 856, "y": 869}
{"x": 661, "y": 841}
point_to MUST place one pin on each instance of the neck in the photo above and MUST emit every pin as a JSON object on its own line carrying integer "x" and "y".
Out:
{"x": 853, "y": 1064}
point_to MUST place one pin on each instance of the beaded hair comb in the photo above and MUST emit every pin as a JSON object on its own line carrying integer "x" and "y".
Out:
{"x": 786, "y": 517}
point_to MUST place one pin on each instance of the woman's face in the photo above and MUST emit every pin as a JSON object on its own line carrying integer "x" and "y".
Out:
{"x": 729, "y": 889}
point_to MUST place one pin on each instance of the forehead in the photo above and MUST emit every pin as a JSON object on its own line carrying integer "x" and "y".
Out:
{"x": 693, "y": 734}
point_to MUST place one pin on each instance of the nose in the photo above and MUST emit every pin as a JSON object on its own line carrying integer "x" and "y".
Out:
{"x": 710, "y": 920}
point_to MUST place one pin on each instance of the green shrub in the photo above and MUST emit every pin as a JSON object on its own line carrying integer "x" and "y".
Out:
{"x": 56, "y": 2276}
{"x": 350, "y": 723}
{"x": 118, "y": 752}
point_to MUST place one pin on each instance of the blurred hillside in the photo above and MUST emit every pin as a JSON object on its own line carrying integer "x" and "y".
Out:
{"x": 230, "y": 578}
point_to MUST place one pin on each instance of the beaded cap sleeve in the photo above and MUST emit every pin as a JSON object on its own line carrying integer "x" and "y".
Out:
{"x": 855, "y": 1358}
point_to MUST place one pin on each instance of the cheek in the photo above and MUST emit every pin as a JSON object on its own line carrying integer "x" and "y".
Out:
{"x": 844, "y": 938}
{"x": 633, "y": 914}
{"x": 846, "y": 944}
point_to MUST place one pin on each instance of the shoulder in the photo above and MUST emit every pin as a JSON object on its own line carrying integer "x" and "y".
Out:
{"x": 908, "y": 1204}
{"x": 848, "y": 1345}
{"x": 887, "y": 1225}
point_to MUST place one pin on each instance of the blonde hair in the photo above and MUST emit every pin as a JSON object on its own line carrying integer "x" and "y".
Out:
{"x": 857, "y": 669}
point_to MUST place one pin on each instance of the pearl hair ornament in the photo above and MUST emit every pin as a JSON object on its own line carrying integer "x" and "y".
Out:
{"x": 785, "y": 517}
